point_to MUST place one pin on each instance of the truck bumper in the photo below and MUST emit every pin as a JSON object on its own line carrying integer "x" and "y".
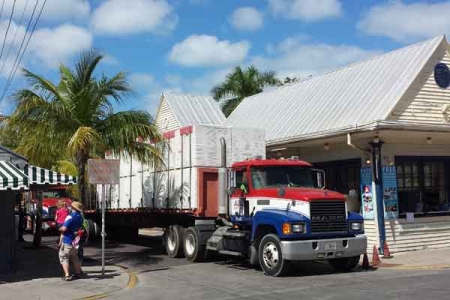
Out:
{"x": 324, "y": 249}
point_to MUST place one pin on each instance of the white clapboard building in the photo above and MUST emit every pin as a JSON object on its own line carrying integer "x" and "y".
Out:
{"x": 399, "y": 100}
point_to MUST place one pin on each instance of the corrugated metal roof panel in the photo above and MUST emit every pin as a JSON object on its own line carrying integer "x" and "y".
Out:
{"x": 358, "y": 94}
{"x": 193, "y": 110}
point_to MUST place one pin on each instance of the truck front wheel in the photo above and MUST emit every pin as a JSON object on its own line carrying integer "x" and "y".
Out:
{"x": 270, "y": 256}
{"x": 174, "y": 237}
{"x": 346, "y": 264}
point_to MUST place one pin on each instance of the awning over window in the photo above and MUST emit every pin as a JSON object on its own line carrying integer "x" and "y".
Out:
{"x": 11, "y": 177}
{"x": 39, "y": 175}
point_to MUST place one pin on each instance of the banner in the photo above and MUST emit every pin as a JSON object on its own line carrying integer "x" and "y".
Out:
{"x": 390, "y": 195}
{"x": 367, "y": 200}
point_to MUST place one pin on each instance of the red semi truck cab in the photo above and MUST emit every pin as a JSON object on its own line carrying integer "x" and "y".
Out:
{"x": 50, "y": 200}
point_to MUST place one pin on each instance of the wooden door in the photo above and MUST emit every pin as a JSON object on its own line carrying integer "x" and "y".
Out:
{"x": 208, "y": 189}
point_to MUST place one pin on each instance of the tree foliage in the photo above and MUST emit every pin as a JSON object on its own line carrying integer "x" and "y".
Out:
{"x": 240, "y": 84}
{"x": 74, "y": 120}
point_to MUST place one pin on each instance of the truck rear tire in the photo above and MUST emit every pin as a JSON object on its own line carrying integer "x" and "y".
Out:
{"x": 346, "y": 264}
{"x": 174, "y": 238}
{"x": 193, "y": 250}
{"x": 270, "y": 256}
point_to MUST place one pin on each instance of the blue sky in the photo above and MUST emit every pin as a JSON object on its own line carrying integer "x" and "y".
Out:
{"x": 190, "y": 45}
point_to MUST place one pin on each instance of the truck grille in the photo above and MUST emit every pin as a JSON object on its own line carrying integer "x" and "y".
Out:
{"x": 52, "y": 212}
{"x": 328, "y": 216}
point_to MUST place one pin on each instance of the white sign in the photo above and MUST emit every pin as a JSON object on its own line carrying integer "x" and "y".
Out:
{"x": 104, "y": 171}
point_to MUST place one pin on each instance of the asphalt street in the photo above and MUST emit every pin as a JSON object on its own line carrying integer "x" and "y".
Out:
{"x": 160, "y": 277}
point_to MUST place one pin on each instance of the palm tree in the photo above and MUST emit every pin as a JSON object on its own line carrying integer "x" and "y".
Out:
{"x": 75, "y": 119}
{"x": 240, "y": 84}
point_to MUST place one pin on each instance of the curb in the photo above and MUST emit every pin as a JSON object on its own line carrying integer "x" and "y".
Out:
{"x": 415, "y": 267}
{"x": 132, "y": 282}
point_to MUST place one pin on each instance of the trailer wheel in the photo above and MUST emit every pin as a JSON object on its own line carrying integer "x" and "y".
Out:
{"x": 270, "y": 256}
{"x": 193, "y": 251}
{"x": 174, "y": 237}
{"x": 346, "y": 264}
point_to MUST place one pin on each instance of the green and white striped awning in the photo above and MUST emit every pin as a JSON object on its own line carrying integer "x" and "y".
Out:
{"x": 39, "y": 175}
{"x": 12, "y": 177}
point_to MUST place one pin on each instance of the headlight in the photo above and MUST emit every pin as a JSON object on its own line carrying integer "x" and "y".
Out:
{"x": 356, "y": 226}
{"x": 298, "y": 228}
{"x": 289, "y": 228}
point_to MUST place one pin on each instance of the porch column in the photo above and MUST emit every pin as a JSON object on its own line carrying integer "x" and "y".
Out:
{"x": 377, "y": 178}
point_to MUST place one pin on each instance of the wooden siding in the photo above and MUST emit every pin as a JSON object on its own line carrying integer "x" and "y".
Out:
{"x": 424, "y": 100}
{"x": 165, "y": 118}
{"x": 371, "y": 231}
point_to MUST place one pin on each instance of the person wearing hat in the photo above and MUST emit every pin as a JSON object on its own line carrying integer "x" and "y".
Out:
{"x": 67, "y": 252}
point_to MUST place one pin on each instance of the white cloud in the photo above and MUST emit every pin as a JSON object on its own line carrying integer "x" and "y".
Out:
{"x": 247, "y": 18}
{"x": 139, "y": 80}
{"x": 306, "y": 10}
{"x": 59, "y": 44}
{"x": 48, "y": 46}
{"x": 200, "y": 85}
{"x": 292, "y": 57}
{"x": 54, "y": 10}
{"x": 206, "y": 50}
{"x": 118, "y": 17}
{"x": 405, "y": 22}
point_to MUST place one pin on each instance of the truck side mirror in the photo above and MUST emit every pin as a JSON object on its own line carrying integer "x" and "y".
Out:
{"x": 320, "y": 177}
{"x": 231, "y": 190}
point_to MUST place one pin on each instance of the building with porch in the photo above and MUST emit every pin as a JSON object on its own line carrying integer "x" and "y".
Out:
{"x": 380, "y": 129}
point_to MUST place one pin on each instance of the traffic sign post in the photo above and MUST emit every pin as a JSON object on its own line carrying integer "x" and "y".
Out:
{"x": 103, "y": 171}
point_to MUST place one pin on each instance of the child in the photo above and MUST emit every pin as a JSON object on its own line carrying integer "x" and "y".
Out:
{"x": 61, "y": 215}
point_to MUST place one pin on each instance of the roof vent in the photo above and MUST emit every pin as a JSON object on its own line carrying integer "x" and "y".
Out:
{"x": 294, "y": 158}
{"x": 258, "y": 157}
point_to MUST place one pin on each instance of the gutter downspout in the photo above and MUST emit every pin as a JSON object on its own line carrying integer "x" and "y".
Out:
{"x": 350, "y": 144}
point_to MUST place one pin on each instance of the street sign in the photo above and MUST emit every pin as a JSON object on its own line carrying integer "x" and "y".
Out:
{"x": 104, "y": 171}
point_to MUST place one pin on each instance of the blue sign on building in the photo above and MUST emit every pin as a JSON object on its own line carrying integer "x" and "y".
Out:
{"x": 390, "y": 195}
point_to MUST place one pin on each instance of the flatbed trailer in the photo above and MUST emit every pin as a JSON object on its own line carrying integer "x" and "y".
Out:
{"x": 217, "y": 193}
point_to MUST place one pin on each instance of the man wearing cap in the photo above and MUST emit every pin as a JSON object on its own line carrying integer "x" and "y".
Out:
{"x": 67, "y": 252}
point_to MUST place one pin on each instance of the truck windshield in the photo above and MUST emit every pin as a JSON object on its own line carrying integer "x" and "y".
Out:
{"x": 290, "y": 176}
{"x": 54, "y": 194}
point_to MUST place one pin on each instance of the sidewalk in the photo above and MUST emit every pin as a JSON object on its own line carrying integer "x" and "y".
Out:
{"x": 420, "y": 259}
{"x": 38, "y": 276}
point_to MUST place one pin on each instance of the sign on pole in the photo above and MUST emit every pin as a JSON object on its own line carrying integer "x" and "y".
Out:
{"x": 103, "y": 171}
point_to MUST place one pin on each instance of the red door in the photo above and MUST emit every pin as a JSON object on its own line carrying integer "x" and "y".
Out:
{"x": 208, "y": 185}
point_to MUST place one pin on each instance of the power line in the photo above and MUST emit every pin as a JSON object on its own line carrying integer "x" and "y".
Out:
{"x": 19, "y": 56}
{"x": 15, "y": 35}
{"x": 1, "y": 11}
{"x": 7, "y": 29}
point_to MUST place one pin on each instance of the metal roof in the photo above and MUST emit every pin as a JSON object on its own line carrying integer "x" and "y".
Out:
{"x": 359, "y": 94}
{"x": 194, "y": 110}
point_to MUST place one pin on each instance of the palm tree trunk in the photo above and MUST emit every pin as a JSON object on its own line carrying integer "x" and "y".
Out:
{"x": 81, "y": 166}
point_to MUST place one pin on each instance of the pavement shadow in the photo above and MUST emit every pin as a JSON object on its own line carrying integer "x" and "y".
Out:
{"x": 34, "y": 263}
{"x": 131, "y": 258}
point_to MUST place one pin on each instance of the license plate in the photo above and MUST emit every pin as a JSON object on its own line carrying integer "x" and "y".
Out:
{"x": 330, "y": 246}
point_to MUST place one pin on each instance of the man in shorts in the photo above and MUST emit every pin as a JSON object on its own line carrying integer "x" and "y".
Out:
{"x": 68, "y": 253}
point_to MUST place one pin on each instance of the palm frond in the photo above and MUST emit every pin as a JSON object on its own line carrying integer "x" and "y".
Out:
{"x": 84, "y": 139}
{"x": 41, "y": 84}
